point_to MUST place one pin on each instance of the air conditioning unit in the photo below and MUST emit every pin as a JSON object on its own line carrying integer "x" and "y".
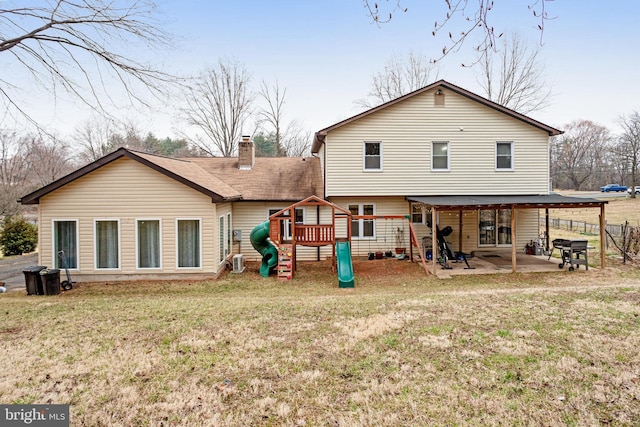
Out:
{"x": 238, "y": 263}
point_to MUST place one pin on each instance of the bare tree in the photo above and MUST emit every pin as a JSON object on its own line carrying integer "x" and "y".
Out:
{"x": 13, "y": 172}
{"x": 628, "y": 147}
{"x": 218, "y": 104}
{"x": 273, "y": 113}
{"x": 578, "y": 151}
{"x": 79, "y": 47}
{"x": 291, "y": 139}
{"x": 474, "y": 17}
{"x": 49, "y": 158}
{"x": 297, "y": 140}
{"x": 94, "y": 138}
{"x": 513, "y": 76}
{"x": 399, "y": 77}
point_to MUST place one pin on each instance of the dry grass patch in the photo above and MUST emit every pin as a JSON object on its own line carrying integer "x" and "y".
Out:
{"x": 522, "y": 349}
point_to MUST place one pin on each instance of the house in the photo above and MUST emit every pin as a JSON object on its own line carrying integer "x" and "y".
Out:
{"x": 137, "y": 215}
{"x": 440, "y": 154}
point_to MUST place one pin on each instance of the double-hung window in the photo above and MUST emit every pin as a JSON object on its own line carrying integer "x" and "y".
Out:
{"x": 420, "y": 214}
{"x": 372, "y": 156}
{"x": 363, "y": 228}
{"x": 148, "y": 241}
{"x": 188, "y": 243}
{"x": 65, "y": 238}
{"x": 504, "y": 155}
{"x": 440, "y": 156}
{"x": 107, "y": 244}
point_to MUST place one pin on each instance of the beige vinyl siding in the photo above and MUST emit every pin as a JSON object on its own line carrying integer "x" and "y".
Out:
{"x": 384, "y": 229}
{"x": 128, "y": 191}
{"x": 247, "y": 215}
{"x": 407, "y": 130}
{"x": 526, "y": 226}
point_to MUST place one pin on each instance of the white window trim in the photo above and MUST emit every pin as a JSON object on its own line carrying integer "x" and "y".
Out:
{"x": 361, "y": 221}
{"x": 199, "y": 240}
{"x": 448, "y": 156}
{"x": 228, "y": 235}
{"x": 54, "y": 250}
{"x": 425, "y": 211}
{"x": 512, "y": 156}
{"x": 222, "y": 237}
{"x": 304, "y": 218}
{"x": 95, "y": 245}
{"x": 159, "y": 239}
{"x": 364, "y": 156}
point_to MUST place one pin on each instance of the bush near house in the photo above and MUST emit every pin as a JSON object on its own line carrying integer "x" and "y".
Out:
{"x": 18, "y": 236}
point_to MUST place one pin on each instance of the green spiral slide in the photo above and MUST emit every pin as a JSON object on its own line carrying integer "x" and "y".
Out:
{"x": 260, "y": 241}
{"x": 345, "y": 267}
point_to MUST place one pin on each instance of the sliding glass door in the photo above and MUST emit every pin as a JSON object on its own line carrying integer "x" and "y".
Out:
{"x": 494, "y": 227}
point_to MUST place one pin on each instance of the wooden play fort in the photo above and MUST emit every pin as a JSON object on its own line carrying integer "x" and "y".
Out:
{"x": 286, "y": 234}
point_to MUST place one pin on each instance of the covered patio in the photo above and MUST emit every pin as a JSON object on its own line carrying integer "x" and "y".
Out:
{"x": 514, "y": 203}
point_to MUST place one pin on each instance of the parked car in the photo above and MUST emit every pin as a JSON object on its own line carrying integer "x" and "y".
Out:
{"x": 630, "y": 189}
{"x": 613, "y": 187}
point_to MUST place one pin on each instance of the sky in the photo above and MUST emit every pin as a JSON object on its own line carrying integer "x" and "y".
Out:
{"x": 325, "y": 52}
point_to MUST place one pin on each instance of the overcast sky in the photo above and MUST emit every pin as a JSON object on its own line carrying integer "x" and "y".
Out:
{"x": 324, "y": 52}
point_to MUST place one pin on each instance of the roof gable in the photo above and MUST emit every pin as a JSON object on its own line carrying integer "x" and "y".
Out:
{"x": 319, "y": 136}
{"x": 271, "y": 178}
{"x": 182, "y": 171}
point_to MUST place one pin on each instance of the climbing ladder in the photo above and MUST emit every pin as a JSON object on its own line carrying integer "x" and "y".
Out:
{"x": 285, "y": 261}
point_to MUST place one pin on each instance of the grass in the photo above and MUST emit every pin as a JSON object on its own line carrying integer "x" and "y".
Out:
{"x": 401, "y": 349}
{"x": 617, "y": 211}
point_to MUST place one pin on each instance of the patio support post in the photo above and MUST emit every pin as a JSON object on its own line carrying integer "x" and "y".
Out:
{"x": 602, "y": 238}
{"x": 513, "y": 239}
{"x": 460, "y": 231}
{"x": 410, "y": 241}
{"x": 434, "y": 240}
{"x": 546, "y": 229}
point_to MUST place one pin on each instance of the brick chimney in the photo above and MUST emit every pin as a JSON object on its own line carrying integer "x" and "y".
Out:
{"x": 246, "y": 153}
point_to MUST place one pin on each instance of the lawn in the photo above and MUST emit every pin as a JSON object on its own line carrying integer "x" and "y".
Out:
{"x": 399, "y": 349}
{"x": 616, "y": 211}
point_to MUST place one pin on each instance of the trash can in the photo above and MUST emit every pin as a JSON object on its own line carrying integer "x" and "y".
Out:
{"x": 50, "y": 281}
{"x": 32, "y": 279}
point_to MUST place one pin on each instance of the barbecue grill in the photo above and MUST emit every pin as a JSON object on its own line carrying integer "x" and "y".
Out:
{"x": 571, "y": 252}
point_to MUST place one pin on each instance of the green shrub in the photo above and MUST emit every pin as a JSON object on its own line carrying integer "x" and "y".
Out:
{"x": 18, "y": 236}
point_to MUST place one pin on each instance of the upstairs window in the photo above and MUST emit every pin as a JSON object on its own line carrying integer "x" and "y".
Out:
{"x": 440, "y": 156}
{"x": 373, "y": 156}
{"x": 504, "y": 155}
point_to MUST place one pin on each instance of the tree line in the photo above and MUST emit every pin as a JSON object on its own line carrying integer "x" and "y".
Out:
{"x": 588, "y": 155}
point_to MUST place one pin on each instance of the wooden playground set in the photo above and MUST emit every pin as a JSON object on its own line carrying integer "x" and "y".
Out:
{"x": 277, "y": 238}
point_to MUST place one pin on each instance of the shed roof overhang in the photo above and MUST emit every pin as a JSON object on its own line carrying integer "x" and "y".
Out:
{"x": 539, "y": 201}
